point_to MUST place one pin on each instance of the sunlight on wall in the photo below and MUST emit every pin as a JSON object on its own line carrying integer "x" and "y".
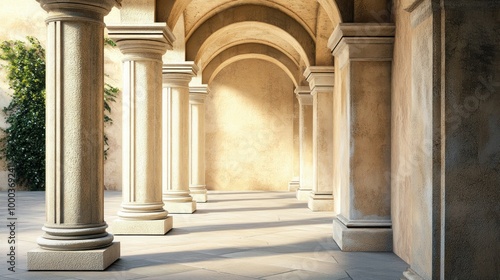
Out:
{"x": 249, "y": 126}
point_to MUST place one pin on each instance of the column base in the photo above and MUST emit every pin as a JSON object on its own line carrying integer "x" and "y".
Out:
{"x": 199, "y": 195}
{"x": 303, "y": 194}
{"x": 362, "y": 239}
{"x": 97, "y": 259}
{"x": 293, "y": 185}
{"x": 180, "y": 207}
{"x": 320, "y": 202}
{"x": 409, "y": 274}
{"x": 141, "y": 227}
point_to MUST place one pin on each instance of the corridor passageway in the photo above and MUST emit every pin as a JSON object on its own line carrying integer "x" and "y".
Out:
{"x": 237, "y": 235}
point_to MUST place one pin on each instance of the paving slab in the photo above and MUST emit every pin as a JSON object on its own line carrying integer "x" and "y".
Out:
{"x": 235, "y": 235}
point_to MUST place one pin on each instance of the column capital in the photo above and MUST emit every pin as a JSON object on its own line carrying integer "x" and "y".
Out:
{"x": 363, "y": 42}
{"x": 320, "y": 78}
{"x": 142, "y": 41}
{"x": 179, "y": 74}
{"x": 71, "y": 9}
{"x": 198, "y": 93}
{"x": 303, "y": 94}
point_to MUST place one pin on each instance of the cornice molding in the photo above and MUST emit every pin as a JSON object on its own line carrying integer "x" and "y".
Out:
{"x": 141, "y": 40}
{"x": 320, "y": 78}
{"x": 179, "y": 74}
{"x": 360, "y": 30}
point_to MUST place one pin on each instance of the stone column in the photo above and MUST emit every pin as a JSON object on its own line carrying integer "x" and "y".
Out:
{"x": 176, "y": 78}
{"x": 294, "y": 184}
{"x": 197, "y": 187}
{"x": 305, "y": 138}
{"x": 142, "y": 207}
{"x": 74, "y": 229}
{"x": 321, "y": 80}
{"x": 362, "y": 135}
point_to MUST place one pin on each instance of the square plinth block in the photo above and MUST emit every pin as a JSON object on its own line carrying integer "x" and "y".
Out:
{"x": 98, "y": 259}
{"x": 409, "y": 274}
{"x": 320, "y": 203}
{"x": 180, "y": 207}
{"x": 362, "y": 239}
{"x": 303, "y": 194}
{"x": 199, "y": 197}
{"x": 293, "y": 186}
{"x": 139, "y": 227}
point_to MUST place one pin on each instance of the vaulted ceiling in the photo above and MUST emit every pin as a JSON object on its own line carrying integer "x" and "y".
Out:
{"x": 293, "y": 34}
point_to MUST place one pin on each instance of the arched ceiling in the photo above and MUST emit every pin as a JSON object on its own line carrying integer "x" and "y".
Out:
{"x": 253, "y": 50}
{"x": 245, "y": 32}
{"x": 298, "y": 29}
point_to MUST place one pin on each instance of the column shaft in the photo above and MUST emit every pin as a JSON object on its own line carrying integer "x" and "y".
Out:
{"x": 142, "y": 207}
{"x": 294, "y": 184}
{"x": 75, "y": 226}
{"x": 321, "y": 80}
{"x": 305, "y": 139}
{"x": 197, "y": 185}
{"x": 176, "y": 78}
{"x": 362, "y": 116}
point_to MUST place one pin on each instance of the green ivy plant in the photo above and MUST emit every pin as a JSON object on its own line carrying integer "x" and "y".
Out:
{"x": 110, "y": 94}
{"x": 23, "y": 143}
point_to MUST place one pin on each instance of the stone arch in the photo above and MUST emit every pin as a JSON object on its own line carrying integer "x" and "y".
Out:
{"x": 252, "y": 50}
{"x": 324, "y": 29}
{"x": 338, "y": 10}
{"x": 256, "y": 14}
{"x": 233, "y": 59}
{"x": 269, "y": 4}
{"x": 244, "y": 32}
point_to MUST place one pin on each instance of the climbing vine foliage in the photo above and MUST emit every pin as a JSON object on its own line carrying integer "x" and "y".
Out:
{"x": 23, "y": 143}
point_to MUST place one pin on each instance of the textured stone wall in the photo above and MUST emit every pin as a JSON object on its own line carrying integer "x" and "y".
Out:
{"x": 412, "y": 137}
{"x": 471, "y": 86}
{"x": 445, "y": 161}
{"x": 249, "y": 128}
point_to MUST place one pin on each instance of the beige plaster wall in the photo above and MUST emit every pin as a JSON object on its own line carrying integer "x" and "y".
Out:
{"x": 411, "y": 175}
{"x": 401, "y": 88}
{"x": 21, "y": 18}
{"x": 249, "y": 128}
{"x": 446, "y": 139}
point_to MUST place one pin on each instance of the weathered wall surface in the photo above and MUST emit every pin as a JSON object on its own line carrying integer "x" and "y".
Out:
{"x": 21, "y": 18}
{"x": 411, "y": 175}
{"x": 445, "y": 162}
{"x": 401, "y": 88}
{"x": 249, "y": 128}
{"x": 471, "y": 59}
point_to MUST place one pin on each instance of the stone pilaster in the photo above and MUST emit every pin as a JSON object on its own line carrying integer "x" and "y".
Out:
{"x": 176, "y": 78}
{"x": 197, "y": 186}
{"x": 305, "y": 139}
{"x": 321, "y": 81}
{"x": 294, "y": 184}
{"x": 362, "y": 134}
{"x": 74, "y": 228}
{"x": 142, "y": 207}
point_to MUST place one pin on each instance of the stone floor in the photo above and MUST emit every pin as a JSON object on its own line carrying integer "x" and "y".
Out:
{"x": 236, "y": 235}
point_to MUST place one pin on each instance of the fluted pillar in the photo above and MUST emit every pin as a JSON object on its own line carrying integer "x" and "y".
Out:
{"x": 142, "y": 206}
{"x": 75, "y": 228}
{"x": 197, "y": 186}
{"x": 362, "y": 141}
{"x": 305, "y": 141}
{"x": 176, "y": 78}
{"x": 321, "y": 80}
